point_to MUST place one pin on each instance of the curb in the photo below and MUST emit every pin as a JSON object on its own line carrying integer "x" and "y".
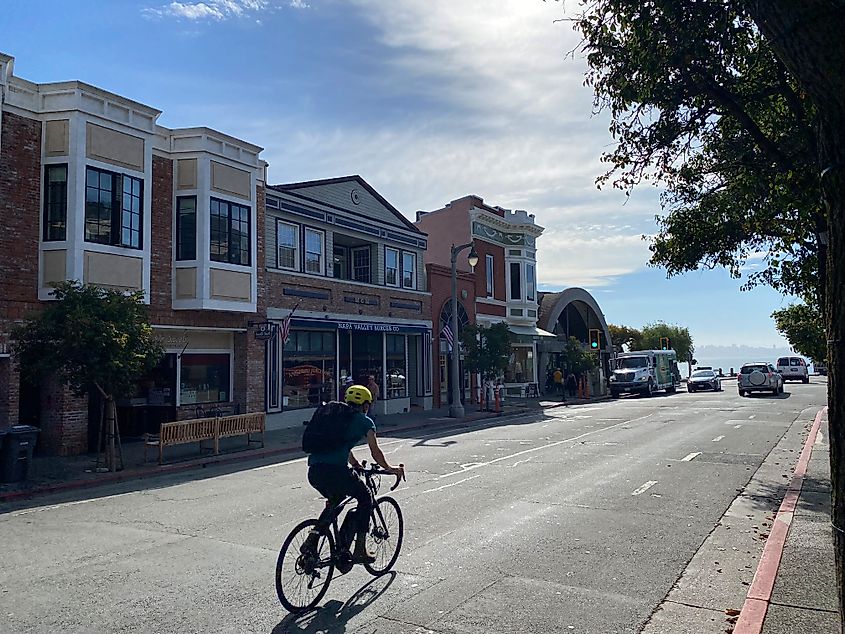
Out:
{"x": 759, "y": 596}
{"x": 140, "y": 474}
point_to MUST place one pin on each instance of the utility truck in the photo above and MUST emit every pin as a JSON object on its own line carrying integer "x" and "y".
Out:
{"x": 645, "y": 372}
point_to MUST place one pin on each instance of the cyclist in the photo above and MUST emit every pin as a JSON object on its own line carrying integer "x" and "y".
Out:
{"x": 330, "y": 474}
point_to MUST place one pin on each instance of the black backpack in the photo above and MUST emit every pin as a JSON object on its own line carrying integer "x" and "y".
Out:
{"x": 328, "y": 428}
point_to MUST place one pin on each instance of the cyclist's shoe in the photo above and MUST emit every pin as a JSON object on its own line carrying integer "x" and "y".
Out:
{"x": 309, "y": 546}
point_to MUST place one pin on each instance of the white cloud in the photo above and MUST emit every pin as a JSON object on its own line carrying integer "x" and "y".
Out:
{"x": 515, "y": 128}
{"x": 588, "y": 257}
{"x": 210, "y": 10}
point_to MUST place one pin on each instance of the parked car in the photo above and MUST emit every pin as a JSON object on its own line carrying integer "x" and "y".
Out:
{"x": 759, "y": 377}
{"x": 820, "y": 368}
{"x": 793, "y": 369}
{"x": 704, "y": 380}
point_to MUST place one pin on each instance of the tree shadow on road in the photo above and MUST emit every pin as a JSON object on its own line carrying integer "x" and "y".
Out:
{"x": 334, "y": 616}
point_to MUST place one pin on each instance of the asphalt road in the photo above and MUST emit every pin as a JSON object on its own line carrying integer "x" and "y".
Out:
{"x": 579, "y": 521}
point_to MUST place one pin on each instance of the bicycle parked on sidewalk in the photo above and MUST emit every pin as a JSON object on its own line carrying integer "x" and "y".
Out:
{"x": 304, "y": 571}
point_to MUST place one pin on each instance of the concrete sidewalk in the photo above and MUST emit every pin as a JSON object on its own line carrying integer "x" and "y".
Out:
{"x": 52, "y": 474}
{"x": 804, "y": 597}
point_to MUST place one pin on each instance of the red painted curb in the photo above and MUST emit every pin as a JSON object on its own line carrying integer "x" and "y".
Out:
{"x": 140, "y": 474}
{"x": 759, "y": 595}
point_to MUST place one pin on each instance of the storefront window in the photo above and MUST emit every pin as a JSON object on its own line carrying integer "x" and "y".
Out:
{"x": 367, "y": 358}
{"x": 158, "y": 386}
{"x": 309, "y": 359}
{"x": 205, "y": 378}
{"x": 521, "y": 367}
{"x": 397, "y": 367}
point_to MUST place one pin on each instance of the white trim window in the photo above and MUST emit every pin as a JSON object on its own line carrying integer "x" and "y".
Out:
{"x": 315, "y": 247}
{"x": 515, "y": 280}
{"x": 490, "y": 272}
{"x": 530, "y": 283}
{"x": 287, "y": 246}
{"x": 361, "y": 257}
{"x": 409, "y": 269}
{"x": 391, "y": 266}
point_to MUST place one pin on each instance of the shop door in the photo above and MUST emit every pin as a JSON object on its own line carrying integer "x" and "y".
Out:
{"x": 274, "y": 381}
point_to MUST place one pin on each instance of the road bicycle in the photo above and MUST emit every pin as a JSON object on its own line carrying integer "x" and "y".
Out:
{"x": 303, "y": 573}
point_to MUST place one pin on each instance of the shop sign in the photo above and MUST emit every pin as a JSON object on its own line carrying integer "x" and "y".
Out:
{"x": 169, "y": 342}
{"x": 358, "y": 327}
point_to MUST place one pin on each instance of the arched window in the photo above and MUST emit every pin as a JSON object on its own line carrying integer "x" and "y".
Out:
{"x": 446, "y": 316}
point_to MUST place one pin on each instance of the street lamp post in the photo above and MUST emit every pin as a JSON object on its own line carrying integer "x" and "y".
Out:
{"x": 456, "y": 410}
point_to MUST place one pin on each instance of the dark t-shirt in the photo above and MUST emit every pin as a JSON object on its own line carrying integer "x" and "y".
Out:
{"x": 359, "y": 426}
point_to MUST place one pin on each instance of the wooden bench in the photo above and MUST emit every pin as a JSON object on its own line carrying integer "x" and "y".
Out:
{"x": 240, "y": 425}
{"x": 201, "y": 429}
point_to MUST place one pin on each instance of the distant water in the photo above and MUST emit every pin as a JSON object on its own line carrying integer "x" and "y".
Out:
{"x": 726, "y": 363}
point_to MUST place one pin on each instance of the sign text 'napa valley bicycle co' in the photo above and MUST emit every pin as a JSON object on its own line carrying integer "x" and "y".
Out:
{"x": 367, "y": 327}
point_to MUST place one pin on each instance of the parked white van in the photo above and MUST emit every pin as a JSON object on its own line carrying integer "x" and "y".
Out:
{"x": 793, "y": 369}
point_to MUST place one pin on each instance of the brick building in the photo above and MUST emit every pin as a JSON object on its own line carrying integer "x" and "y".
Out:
{"x": 503, "y": 286}
{"x": 350, "y": 267}
{"x": 93, "y": 189}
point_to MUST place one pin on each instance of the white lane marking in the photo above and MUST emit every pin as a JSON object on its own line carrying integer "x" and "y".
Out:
{"x": 644, "y": 487}
{"x": 548, "y": 446}
{"x": 521, "y": 461}
{"x": 276, "y": 465}
{"x": 446, "y": 486}
{"x": 690, "y": 456}
{"x": 718, "y": 438}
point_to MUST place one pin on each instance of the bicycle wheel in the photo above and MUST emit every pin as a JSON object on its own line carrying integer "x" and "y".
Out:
{"x": 384, "y": 538}
{"x": 303, "y": 578}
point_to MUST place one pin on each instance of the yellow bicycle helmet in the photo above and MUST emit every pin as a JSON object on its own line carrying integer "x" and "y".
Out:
{"x": 358, "y": 395}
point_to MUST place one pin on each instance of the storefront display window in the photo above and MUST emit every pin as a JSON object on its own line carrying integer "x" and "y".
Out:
{"x": 205, "y": 378}
{"x": 397, "y": 367}
{"x": 521, "y": 367}
{"x": 309, "y": 362}
{"x": 367, "y": 358}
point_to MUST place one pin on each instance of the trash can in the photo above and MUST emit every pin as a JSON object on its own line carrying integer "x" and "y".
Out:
{"x": 16, "y": 452}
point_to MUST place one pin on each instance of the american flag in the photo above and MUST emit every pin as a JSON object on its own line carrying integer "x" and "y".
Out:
{"x": 447, "y": 335}
{"x": 284, "y": 329}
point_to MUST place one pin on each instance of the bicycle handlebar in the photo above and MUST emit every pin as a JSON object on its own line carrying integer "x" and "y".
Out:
{"x": 374, "y": 470}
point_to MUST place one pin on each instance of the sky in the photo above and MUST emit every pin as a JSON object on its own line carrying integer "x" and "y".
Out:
{"x": 427, "y": 101}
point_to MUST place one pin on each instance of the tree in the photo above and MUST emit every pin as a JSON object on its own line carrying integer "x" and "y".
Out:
{"x": 487, "y": 349}
{"x": 803, "y": 328}
{"x": 684, "y": 82}
{"x": 90, "y": 338}
{"x": 623, "y": 336}
{"x": 679, "y": 338}
{"x": 807, "y": 37}
{"x": 702, "y": 106}
{"x": 578, "y": 359}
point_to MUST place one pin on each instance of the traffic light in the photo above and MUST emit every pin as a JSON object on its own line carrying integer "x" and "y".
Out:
{"x": 595, "y": 339}
{"x": 665, "y": 344}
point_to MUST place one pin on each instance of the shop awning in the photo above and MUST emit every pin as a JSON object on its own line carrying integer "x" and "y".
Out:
{"x": 530, "y": 331}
